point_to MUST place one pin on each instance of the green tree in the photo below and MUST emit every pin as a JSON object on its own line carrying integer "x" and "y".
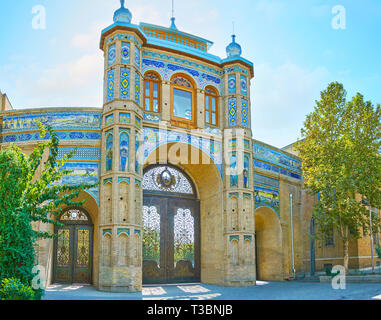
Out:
{"x": 30, "y": 192}
{"x": 341, "y": 164}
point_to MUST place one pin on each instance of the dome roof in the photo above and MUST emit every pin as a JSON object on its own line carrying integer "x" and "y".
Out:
{"x": 233, "y": 49}
{"x": 122, "y": 14}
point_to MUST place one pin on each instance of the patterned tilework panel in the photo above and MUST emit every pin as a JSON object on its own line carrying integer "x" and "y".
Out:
{"x": 266, "y": 181}
{"x": 124, "y": 179}
{"x": 110, "y": 85}
{"x": 138, "y": 122}
{"x": 125, "y": 54}
{"x": 137, "y": 88}
{"x": 137, "y": 146}
{"x": 124, "y": 149}
{"x": 213, "y": 131}
{"x": 234, "y": 238}
{"x": 83, "y": 172}
{"x": 153, "y": 138}
{"x": 62, "y": 135}
{"x": 245, "y": 113}
{"x": 111, "y": 55}
{"x": 246, "y": 172}
{"x": 236, "y": 69}
{"x": 125, "y": 231}
{"x": 276, "y": 157}
{"x": 58, "y": 120}
{"x": 233, "y": 169}
{"x": 167, "y": 69}
{"x": 124, "y": 37}
{"x": 124, "y": 83}
{"x": 107, "y": 231}
{"x": 246, "y": 144}
{"x": 248, "y": 238}
{"x": 269, "y": 167}
{"x": 124, "y": 118}
{"x": 106, "y": 181}
{"x": 152, "y": 117}
{"x": 109, "y": 120}
{"x": 232, "y": 112}
{"x": 81, "y": 153}
{"x": 265, "y": 197}
{"x": 178, "y": 60}
{"x": 232, "y": 144}
{"x": 232, "y": 84}
{"x": 137, "y": 57}
{"x": 243, "y": 85}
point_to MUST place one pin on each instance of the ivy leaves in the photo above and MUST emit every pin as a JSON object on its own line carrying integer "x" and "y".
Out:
{"x": 31, "y": 192}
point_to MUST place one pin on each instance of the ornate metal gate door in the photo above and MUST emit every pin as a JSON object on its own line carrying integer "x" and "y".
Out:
{"x": 73, "y": 248}
{"x": 171, "y": 219}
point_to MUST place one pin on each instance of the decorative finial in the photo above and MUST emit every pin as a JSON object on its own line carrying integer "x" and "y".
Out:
{"x": 173, "y": 25}
{"x": 122, "y": 14}
{"x": 233, "y": 49}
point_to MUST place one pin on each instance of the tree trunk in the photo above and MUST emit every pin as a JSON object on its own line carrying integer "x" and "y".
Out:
{"x": 346, "y": 255}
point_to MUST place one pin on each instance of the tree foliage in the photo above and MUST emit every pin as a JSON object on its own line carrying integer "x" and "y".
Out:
{"x": 341, "y": 163}
{"x": 31, "y": 193}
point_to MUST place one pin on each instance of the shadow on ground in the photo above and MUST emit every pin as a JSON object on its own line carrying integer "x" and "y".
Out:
{"x": 294, "y": 290}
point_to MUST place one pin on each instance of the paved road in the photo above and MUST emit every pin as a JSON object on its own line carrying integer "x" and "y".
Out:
{"x": 294, "y": 290}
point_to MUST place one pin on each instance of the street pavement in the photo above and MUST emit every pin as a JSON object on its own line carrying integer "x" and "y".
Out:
{"x": 288, "y": 290}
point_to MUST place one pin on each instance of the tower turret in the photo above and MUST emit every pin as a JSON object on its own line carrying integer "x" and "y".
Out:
{"x": 238, "y": 183}
{"x": 120, "y": 227}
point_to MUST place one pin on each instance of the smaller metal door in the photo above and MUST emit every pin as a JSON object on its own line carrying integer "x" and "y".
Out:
{"x": 63, "y": 271}
{"x": 82, "y": 254}
{"x": 73, "y": 246}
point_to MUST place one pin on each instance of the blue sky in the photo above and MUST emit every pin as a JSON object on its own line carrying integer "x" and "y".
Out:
{"x": 292, "y": 44}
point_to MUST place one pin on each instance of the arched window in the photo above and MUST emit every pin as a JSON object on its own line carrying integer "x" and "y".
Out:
{"x": 183, "y": 101}
{"x": 211, "y": 106}
{"x": 167, "y": 179}
{"x": 152, "y": 92}
{"x": 74, "y": 215}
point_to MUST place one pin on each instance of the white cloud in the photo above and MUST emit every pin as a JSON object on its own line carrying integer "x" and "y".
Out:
{"x": 281, "y": 97}
{"x": 269, "y": 10}
{"x": 76, "y": 83}
{"x": 148, "y": 13}
{"x": 89, "y": 41}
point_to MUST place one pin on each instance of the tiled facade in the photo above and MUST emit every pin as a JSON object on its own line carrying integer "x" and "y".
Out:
{"x": 240, "y": 209}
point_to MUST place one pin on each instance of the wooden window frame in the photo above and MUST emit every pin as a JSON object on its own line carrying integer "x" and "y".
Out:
{"x": 177, "y": 121}
{"x": 151, "y": 97}
{"x": 209, "y": 97}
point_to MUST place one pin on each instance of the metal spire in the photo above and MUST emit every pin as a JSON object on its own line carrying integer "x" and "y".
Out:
{"x": 173, "y": 25}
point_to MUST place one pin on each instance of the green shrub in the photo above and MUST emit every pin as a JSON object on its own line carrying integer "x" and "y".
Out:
{"x": 14, "y": 289}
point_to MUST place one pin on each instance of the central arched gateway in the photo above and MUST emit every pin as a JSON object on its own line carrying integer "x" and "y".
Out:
{"x": 171, "y": 222}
